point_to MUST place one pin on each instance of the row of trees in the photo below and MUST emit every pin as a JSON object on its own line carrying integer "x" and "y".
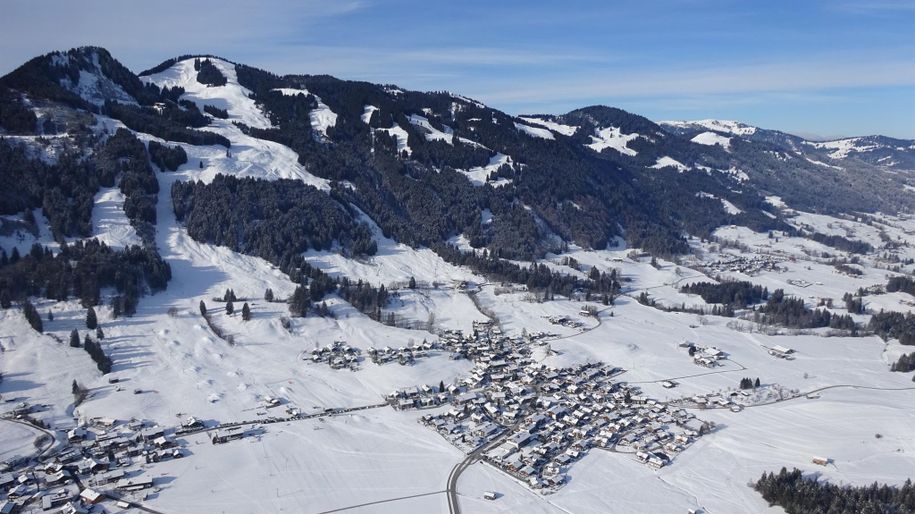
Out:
{"x": 216, "y": 112}
{"x": 734, "y": 293}
{"x": 94, "y": 349}
{"x": 537, "y": 277}
{"x": 81, "y": 270}
{"x": 793, "y": 313}
{"x": 798, "y": 494}
{"x": 901, "y": 283}
{"x": 268, "y": 219}
{"x": 749, "y": 383}
{"x": 888, "y": 324}
{"x": 127, "y": 154}
{"x": 147, "y": 120}
{"x": 905, "y": 363}
{"x": 166, "y": 157}
{"x": 842, "y": 243}
{"x": 208, "y": 74}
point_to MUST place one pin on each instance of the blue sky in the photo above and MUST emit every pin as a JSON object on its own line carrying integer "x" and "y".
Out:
{"x": 809, "y": 67}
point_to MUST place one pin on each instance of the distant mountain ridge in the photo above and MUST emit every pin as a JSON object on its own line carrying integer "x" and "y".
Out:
{"x": 432, "y": 168}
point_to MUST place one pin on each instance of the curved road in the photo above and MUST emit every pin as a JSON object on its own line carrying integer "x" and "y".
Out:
{"x": 453, "y": 506}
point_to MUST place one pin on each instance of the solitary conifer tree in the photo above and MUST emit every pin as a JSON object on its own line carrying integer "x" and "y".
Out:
{"x": 91, "y": 319}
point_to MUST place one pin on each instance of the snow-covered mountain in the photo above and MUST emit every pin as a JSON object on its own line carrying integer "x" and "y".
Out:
{"x": 358, "y": 139}
{"x": 881, "y": 151}
{"x": 288, "y": 260}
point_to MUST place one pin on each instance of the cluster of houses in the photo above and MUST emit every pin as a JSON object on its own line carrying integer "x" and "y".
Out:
{"x": 534, "y": 421}
{"x": 566, "y": 321}
{"x": 746, "y": 264}
{"x": 338, "y": 355}
{"x": 100, "y": 459}
{"x": 737, "y": 400}
{"x": 705, "y": 356}
{"x": 403, "y": 355}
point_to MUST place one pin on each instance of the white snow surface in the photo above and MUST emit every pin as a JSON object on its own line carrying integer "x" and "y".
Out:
{"x": 321, "y": 117}
{"x": 367, "y": 112}
{"x": 401, "y": 136}
{"x": 479, "y": 174}
{"x": 729, "y": 127}
{"x": 109, "y": 223}
{"x": 711, "y": 139}
{"x": 231, "y": 97}
{"x": 729, "y": 207}
{"x": 669, "y": 162}
{"x": 92, "y": 86}
{"x": 612, "y": 137}
{"x": 842, "y": 148}
{"x": 541, "y": 133}
{"x": 432, "y": 133}
{"x": 559, "y": 128}
{"x": 249, "y": 156}
{"x": 823, "y": 164}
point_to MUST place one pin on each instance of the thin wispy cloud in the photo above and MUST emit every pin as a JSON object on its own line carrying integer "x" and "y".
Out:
{"x": 817, "y": 74}
{"x": 670, "y": 57}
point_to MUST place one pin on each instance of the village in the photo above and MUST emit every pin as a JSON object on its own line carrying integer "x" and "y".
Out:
{"x": 751, "y": 264}
{"x": 534, "y": 421}
{"x": 527, "y": 419}
{"x": 100, "y": 460}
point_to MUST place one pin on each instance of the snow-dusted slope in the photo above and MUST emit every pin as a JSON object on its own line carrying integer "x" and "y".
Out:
{"x": 612, "y": 137}
{"x": 559, "y": 128}
{"x": 93, "y": 85}
{"x": 541, "y": 133}
{"x": 249, "y": 156}
{"x": 726, "y": 126}
{"x": 321, "y": 117}
{"x": 669, "y": 162}
{"x": 367, "y": 112}
{"x": 432, "y": 133}
{"x": 711, "y": 139}
{"x": 401, "y": 136}
{"x": 842, "y": 148}
{"x": 479, "y": 174}
{"x": 232, "y": 97}
{"x": 109, "y": 223}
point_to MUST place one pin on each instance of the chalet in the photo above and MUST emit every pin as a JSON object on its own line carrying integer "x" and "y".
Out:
{"x": 77, "y": 434}
{"x": 152, "y": 433}
{"x": 60, "y": 477}
{"x": 90, "y": 496}
{"x": 781, "y": 352}
{"x": 110, "y": 477}
{"x": 135, "y": 483}
{"x": 695, "y": 427}
{"x": 49, "y": 501}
